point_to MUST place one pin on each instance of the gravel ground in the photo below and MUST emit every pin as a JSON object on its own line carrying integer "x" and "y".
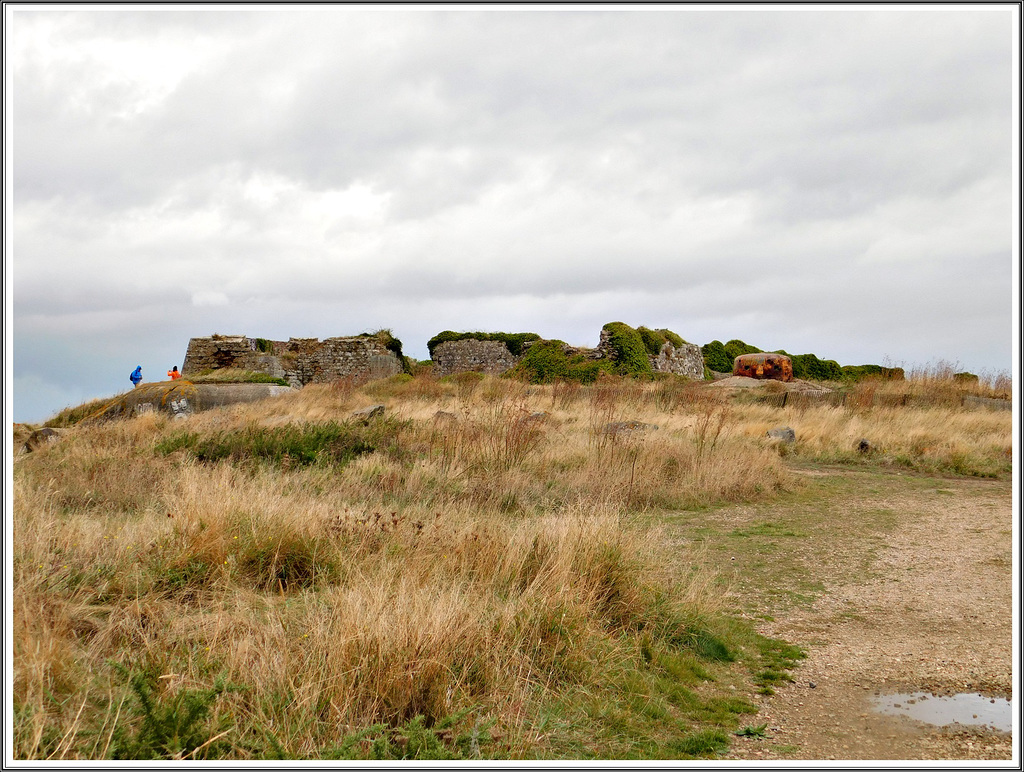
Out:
{"x": 936, "y": 616}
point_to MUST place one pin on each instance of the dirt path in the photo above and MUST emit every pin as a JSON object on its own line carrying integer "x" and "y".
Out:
{"x": 930, "y": 609}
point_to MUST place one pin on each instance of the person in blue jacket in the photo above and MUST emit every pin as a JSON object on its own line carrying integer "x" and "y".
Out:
{"x": 136, "y": 376}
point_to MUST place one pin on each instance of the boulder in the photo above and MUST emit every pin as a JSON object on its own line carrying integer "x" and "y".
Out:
{"x": 41, "y": 437}
{"x": 535, "y": 417}
{"x": 366, "y": 413}
{"x": 617, "y": 428}
{"x": 782, "y": 434}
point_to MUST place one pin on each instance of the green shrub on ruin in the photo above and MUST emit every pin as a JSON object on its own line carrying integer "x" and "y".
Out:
{"x": 547, "y": 361}
{"x": 809, "y": 367}
{"x": 720, "y": 356}
{"x": 392, "y": 344}
{"x": 655, "y": 339}
{"x": 735, "y": 348}
{"x": 628, "y": 351}
{"x": 513, "y": 341}
{"x": 673, "y": 338}
{"x": 716, "y": 358}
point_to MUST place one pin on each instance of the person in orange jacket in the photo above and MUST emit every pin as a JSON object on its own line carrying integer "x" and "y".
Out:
{"x": 174, "y": 374}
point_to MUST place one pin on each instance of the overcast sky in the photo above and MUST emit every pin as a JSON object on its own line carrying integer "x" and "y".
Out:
{"x": 836, "y": 180}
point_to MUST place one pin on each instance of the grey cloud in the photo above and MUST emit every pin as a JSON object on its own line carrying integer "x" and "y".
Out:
{"x": 548, "y": 170}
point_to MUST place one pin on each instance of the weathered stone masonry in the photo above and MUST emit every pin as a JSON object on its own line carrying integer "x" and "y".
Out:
{"x": 481, "y": 356}
{"x": 297, "y": 360}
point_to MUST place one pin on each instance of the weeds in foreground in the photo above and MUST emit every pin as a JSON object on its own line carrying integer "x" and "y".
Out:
{"x": 759, "y": 731}
{"x": 171, "y": 724}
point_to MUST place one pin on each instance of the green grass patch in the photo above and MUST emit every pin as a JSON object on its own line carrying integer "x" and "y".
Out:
{"x": 777, "y": 658}
{"x": 704, "y": 744}
{"x": 330, "y": 444}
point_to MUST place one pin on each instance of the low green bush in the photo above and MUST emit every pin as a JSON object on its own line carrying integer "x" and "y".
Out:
{"x": 735, "y": 348}
{"x": 856, "y": 372}
{"x": 169, "y": 724}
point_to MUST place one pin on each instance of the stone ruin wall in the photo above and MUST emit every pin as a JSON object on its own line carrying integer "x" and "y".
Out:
{"x": 686, "y": 360}
{"x": 298, "y": 360}
{"x": 479, "y": 356}
{"x": 494, "y": 358}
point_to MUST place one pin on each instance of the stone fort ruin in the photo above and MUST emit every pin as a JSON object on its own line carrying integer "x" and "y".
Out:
{"x": 493, "y": 357}
{"x": 297, "y": 360}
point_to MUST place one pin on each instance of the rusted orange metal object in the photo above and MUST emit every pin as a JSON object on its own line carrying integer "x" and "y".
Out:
{"x": 777, "y": 367}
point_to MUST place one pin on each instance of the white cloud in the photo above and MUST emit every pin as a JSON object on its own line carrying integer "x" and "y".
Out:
{"x": 209, "y": 298}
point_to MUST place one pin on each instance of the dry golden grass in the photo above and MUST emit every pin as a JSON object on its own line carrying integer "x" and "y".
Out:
{"x": 495, "y": 553}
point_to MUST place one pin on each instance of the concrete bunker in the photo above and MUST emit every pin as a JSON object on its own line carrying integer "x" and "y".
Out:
{"x": 764, "y": 366}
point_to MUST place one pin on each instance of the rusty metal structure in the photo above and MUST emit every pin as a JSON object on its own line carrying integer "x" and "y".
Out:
{"x": 777, "y": 367}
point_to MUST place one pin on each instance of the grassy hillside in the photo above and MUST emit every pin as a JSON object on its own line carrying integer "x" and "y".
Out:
{"x": 485, "y": 571}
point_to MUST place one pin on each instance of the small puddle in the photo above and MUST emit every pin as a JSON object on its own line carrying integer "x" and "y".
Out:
{"x": 965, "y": 709}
